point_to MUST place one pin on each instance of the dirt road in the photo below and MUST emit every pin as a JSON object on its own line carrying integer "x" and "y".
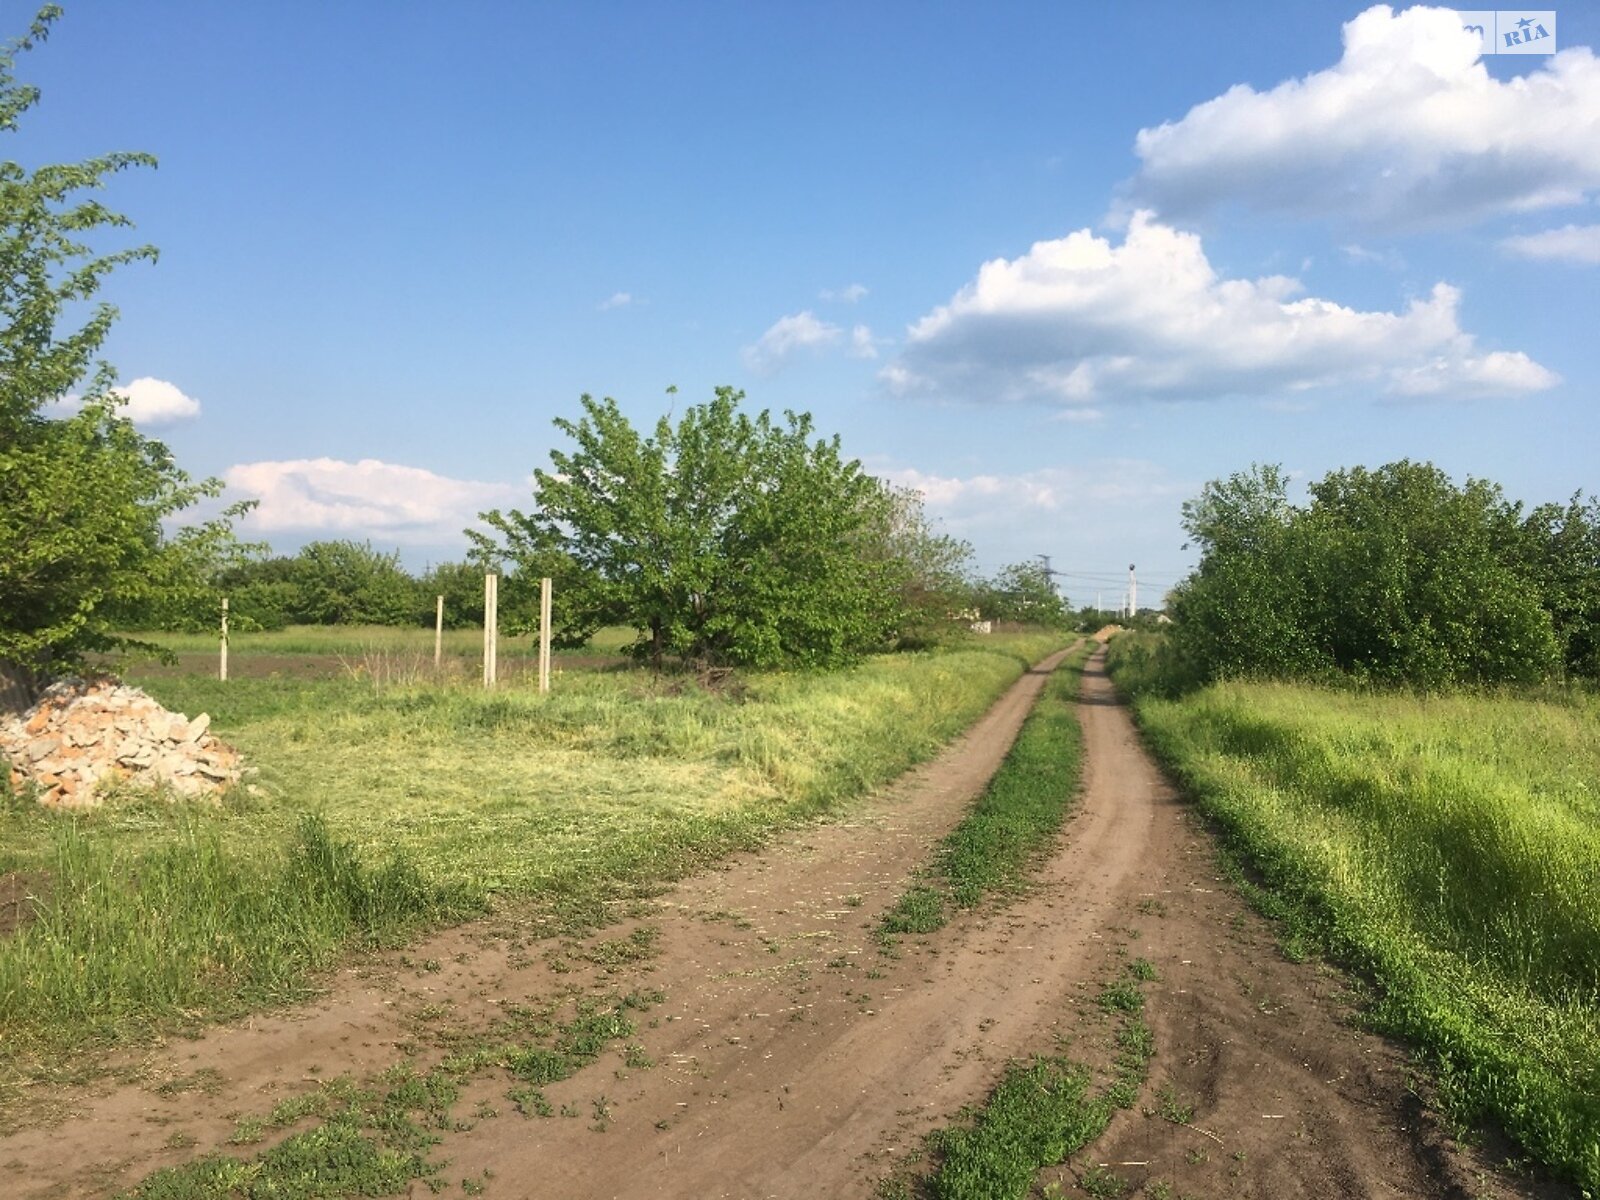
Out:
{"x": 790, "y": 1057}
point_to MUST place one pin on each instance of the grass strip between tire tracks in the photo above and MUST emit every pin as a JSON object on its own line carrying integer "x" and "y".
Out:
{"x": 991, "y": 850}
{"x": 1043, "y": 1111}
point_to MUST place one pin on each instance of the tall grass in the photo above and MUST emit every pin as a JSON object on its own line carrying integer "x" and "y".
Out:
{"x": 1450, "y": 845}
{"x": 121, "y": 938}
{"x": 374, "y": 811}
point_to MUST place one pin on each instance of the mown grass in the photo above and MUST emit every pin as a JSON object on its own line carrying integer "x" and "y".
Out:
{"x": 355, "y": 640}
{"x": 1449, "y": 845}
{"x": 990, "y": 851}
{"x": 150, "y": 916}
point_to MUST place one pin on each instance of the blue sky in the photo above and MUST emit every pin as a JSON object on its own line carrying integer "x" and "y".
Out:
{"x": 1057, "y": 266}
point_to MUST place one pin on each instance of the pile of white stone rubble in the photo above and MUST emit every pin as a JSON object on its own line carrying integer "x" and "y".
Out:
{"x": 81, "y": 733}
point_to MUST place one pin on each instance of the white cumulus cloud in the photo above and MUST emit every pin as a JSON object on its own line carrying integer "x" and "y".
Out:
{"x": 971, "y": 501}
{"x": 1078, "y": 321}
{"x": 1407, "y": 129}
{"x": 844, "y": 295}
{"x": 1093, "y": 515}
{"x": 149, "y": 403}
{"x": 786, "y": 337}
{"x": 616, "y": 300}
{"x": 1570, "y": 243}
{"x": 862, "y": 342}
{"x": 369, "y": 498}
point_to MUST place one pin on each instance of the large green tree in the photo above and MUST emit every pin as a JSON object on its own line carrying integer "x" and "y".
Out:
{"x": 1395, "y": 575}
{"x": 1561, "y": 551}
{"x": 1244, "y": 608}
{"x": 83, "y": 497}
{"x": 723, "y": 537}
{"x": 932, "y": 570}
{"x": 350, "y": 583}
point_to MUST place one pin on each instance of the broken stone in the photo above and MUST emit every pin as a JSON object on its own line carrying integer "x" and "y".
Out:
{"x": 81, "y": 733}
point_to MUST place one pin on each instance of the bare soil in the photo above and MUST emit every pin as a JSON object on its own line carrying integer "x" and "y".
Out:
{"x": 791, "y": 1057}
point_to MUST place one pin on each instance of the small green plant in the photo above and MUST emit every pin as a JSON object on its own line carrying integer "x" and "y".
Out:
{"x": 1101, "y": 1182}
{"x": 1120, "y": 996}
{"x": 530, "y": 1101}
{"x": 920, "y": 910}
{"x": 1171, "y": 1107}
{"x": 1142, "y": 970}
{"x": 1039, "y": 1114}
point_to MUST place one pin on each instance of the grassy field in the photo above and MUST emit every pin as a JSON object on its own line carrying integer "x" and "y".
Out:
{"x": 356, "y": 641}
{"x": 1450, "y": 846}
{"x": 377, "y": 810}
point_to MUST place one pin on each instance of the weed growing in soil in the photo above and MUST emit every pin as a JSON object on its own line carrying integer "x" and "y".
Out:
{"x": 374, "y": 1141}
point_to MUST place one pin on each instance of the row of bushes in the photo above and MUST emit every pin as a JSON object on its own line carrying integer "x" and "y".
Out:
{"x": 1392, "y": 575}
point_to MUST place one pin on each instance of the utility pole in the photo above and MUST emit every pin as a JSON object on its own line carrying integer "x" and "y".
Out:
{"x": 1133, "y": 593}
{"x": 1050, "y": 573}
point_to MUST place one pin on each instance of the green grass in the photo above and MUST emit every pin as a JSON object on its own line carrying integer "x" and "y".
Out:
{"x": 990, "y": 852}
{"x": 375, "y": 1140}
{"x": 189, "y": 926}
{"x": 423, "y": 802}
{"x": 353, "y": 641}
{"x": 370, "y": 1142}
{"x": 1448, "y": 845}
{"x": 1042, "y": 1112}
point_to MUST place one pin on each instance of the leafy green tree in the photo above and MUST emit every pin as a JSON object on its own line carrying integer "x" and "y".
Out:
{"x": 724, "y": 538}
{"x": 261, "y": 592}
{"x": 1244, "y": 607}
{"x": 461, "y": 585}
{"x": 350, "y": 583}
{"x": 1561, "y": 553}
{"x": 932, "y": 571}
{"x": 1394, "y": 574}
{"x": 1416, "y": 579}
{"x": 1023, "y": 592}
{"x": 83, "y": 498}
